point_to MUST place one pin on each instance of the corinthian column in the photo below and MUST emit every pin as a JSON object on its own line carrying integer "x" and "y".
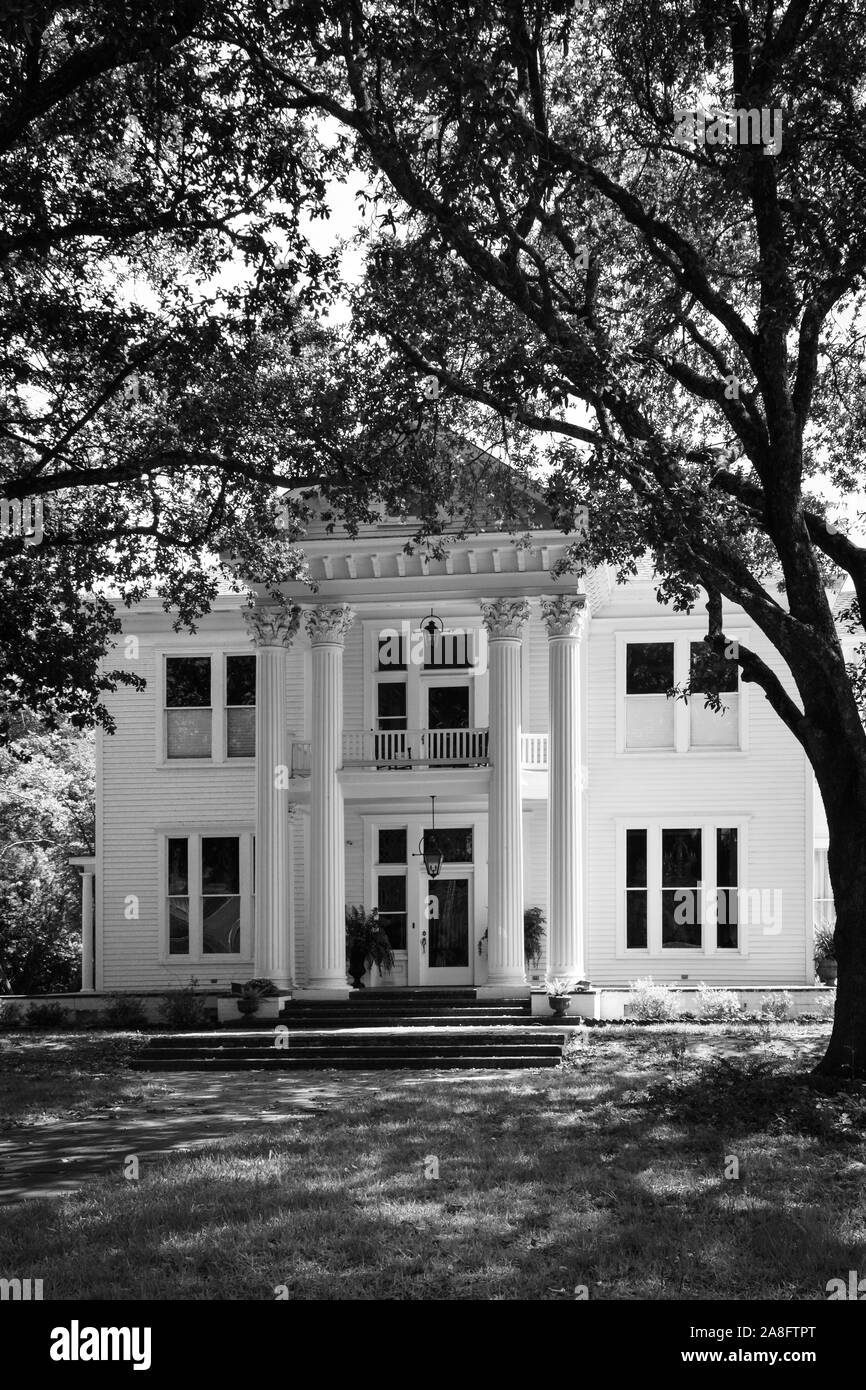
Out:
{"x": 273, "y": 630}
{"x": 505, "y": 620}
{"x": 566, "y": 617}
{"x": 327, "y": 943}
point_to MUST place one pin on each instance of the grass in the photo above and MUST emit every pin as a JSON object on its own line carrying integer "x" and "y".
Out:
{"x": 609, "y": 1174}
{"x": 47, "y": 1078}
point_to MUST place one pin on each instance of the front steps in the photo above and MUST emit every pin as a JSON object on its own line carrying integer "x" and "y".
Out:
{"x": 421, "y": 1030}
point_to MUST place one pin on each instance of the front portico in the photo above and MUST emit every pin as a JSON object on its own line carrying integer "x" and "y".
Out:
{"x": 487, "y": 781}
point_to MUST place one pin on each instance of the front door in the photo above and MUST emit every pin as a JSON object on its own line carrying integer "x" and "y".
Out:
{"x": 446, "y": 936}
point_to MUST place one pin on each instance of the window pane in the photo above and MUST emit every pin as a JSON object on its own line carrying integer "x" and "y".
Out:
{"x": 392, "y": 846}
{"x": 635, "y": 920}
{"x": 178, "y": 866}
{"x": 392, "y": 893}
{"x": 187, "y": 681}
{"x": 391, "y": 707}
{"x": 394, "y": 926}
{"x": 710, "y": 673}
{"x": 188, "y": 733}
{"x": 713, "y": 729}
{"x": 392, "y": 650}
{"x": 241, "y": 732}
{"x": 220, "y": 861}
{"x": 681, "y": 918}
{"x": 456, "y": 845}
{"x": 220, "y": 926}
{"x": 727, "y": 937}
{"x": 446, "y": 651}
{"x": 726, "y": 858}
{"x": 649, "y": 721}
{"x": 240, "y": 680}
{"x": 448, "y": 707}
{"x": 635, "y": 859}
{"x": 391, "y": 901}
{"x": 681, "y": 858}
{"x": 449, "y": 931}
{"x": 649, "y": 668}
{"x": 178, "y": 926}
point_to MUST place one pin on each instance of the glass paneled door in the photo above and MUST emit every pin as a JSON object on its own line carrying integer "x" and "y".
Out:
{"x": 446, "y": 940}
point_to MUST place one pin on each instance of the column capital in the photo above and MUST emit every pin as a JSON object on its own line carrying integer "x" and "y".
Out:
{"x": 566, "y": 615}
{"x": 505, "y": 617}
{"x": 274, "y": 625}
{"x": 327, "y": 625}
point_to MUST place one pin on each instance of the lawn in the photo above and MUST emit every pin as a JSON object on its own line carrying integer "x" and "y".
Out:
{"x": 607, "y": 1175}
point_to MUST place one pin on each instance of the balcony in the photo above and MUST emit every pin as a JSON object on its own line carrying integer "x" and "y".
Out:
{"x": 401, "y": 750}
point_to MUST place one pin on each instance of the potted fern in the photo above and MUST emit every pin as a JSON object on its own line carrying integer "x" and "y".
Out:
{"x": 367, "y": 945}
{"x": 825, "y": 953}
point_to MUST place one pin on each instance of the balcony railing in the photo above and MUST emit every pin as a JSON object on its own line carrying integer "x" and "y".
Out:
{"x": 402, "y": 749}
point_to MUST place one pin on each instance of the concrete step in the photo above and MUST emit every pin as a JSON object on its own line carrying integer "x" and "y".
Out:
{"x": 349, "y": 1062}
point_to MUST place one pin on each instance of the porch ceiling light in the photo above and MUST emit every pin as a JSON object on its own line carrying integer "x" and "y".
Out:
{"x": 428, "y": 848}
{"x": 433, "y": 626}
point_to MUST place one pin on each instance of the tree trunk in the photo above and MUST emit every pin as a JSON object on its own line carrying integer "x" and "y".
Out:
{"x": 846, "y": 859}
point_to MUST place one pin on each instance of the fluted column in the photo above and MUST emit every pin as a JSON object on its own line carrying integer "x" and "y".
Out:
{"x": 273, "y": 630}
{"x": 505, "y": 620}
{"x": 327, "y": 628}
{"x": 566, "y": 618}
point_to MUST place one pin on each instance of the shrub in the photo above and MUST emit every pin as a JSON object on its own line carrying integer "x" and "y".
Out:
{"x": 125, "y": 1011}
{"x": 651, "y": 1003}
{"x": 183, "y": 1008}
{"x": 10, "y": 1014}
{"x": 46, "y": 1016}
{"x": 778, "y": 1008}
{"x": 718, "y": 1005}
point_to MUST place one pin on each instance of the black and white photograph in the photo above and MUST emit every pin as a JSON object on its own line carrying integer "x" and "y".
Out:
{"x": 432, "y": 674}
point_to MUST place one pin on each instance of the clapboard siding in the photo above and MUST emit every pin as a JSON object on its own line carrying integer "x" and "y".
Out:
{"x": 139, "y": 802}
{"x": 535, "y": 644}
{"x": 768, "y": 783}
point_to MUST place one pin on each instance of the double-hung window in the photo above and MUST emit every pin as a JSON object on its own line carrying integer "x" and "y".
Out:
{"x": 210, "y": 707}
{"x": 650, "y": 719}
{"x": 209, "y": 895}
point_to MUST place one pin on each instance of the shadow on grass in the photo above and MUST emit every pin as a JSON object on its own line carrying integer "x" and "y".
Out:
{"x": 545, "y": 1183}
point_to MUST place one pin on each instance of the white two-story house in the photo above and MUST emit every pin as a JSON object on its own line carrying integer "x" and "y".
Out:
{"x": 282, "y": 763}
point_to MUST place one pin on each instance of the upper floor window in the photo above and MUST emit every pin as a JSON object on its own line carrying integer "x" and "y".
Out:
{"x": 188, "y": 710}
{"x": 241, "y": 706}
{"x": 210, "y": 706}
{"x": 651, "y": 719}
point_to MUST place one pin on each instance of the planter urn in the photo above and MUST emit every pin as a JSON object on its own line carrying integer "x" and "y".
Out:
{"x": 827, "y": 971}
{"x": 560, "y": 1003}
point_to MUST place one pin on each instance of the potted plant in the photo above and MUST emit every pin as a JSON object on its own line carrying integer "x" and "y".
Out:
{"x": 825, "y": 953}
{"x": 533, "y": 934}
{"x": 367, "y": 944}
{"x": 559, "y": 992}
{"x": 251, "y": 993}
